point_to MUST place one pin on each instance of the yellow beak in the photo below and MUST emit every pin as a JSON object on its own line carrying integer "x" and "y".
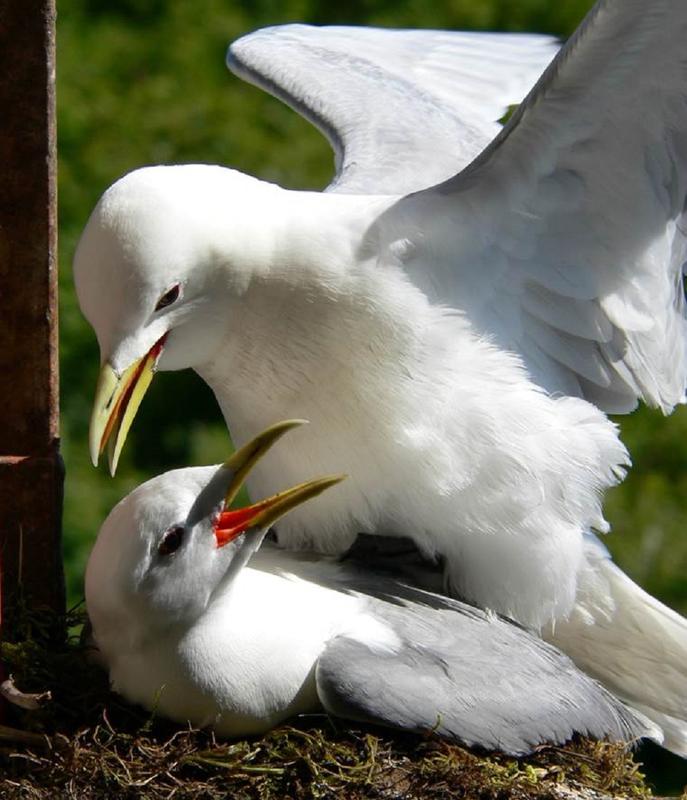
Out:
{"x": 117, "y": 399}
{"x": 231, "y": 523}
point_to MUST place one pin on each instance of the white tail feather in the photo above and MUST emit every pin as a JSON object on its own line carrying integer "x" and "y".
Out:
{"x": 632, "y": 643}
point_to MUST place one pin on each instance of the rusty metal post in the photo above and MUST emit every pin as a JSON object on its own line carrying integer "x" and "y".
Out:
{"x": 31, "y": 471}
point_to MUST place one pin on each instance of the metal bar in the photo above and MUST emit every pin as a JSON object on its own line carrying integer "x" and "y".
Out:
{"x": 31, "y": 473}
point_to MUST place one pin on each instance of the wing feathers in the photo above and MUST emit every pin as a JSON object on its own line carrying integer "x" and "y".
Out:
{"x": 564, "y": 239}
{"x": 582, "y": 356}
{"x": 582, "y": 196}
{"x": 472, "y": 678}
{"x": 402, "y": 109}
{"x": 585, "y": 319}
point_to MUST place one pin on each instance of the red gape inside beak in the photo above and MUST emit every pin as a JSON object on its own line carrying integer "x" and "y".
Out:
{"x": 232, "y": 523}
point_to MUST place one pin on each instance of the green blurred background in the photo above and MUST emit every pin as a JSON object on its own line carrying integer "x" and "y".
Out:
{"x": 143, "y": 82}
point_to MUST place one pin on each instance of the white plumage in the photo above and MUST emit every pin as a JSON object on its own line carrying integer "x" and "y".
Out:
{"x": 195, "y": 619}
{"x": 454, "y": 348}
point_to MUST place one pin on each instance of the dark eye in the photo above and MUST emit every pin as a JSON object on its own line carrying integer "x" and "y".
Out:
{"x": 168, "y": 298}
{"x": 171, "y": 541}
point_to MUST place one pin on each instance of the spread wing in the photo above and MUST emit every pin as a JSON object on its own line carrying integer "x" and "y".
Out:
{"x": 471, "y": 678}
{"x": 403, "y": 109}
{"x": 565, "y": 239}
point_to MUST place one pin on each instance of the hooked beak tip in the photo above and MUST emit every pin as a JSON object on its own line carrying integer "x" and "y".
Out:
{"x": 117, "y": 399}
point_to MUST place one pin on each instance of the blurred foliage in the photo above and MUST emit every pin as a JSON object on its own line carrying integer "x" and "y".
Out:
{"x": 143, "y": 81}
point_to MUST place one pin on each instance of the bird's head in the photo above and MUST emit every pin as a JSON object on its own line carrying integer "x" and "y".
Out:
{"x": 165, "y": 253}
{"x": 173, "y": 545}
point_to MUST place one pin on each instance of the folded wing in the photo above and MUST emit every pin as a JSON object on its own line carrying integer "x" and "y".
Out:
{"x": 471, "y": 678}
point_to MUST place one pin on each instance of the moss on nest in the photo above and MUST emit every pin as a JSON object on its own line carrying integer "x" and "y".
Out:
{"x": 88, "y": 743}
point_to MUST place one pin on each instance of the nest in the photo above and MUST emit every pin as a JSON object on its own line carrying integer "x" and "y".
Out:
{"x": 86, "y": 742}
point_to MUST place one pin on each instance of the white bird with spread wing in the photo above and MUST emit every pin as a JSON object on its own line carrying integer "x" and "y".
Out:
{"x": 197, "y": 620}
{"x": 454, "y": 347}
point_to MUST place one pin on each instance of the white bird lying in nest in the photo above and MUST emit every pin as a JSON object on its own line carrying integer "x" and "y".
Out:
{"x": 194, "y": 618}
{"x": 455, "y": 347}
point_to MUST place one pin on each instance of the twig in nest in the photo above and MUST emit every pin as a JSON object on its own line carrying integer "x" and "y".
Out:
{"x": 15, "y": 736}
{"x": 30, "y": 702}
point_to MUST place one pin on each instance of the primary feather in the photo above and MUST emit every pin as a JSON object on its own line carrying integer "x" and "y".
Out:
{"x": 430, "y": 95}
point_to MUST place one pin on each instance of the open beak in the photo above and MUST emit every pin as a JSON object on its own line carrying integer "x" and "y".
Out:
{"x": 116, "y": 402}
{"x": 232, "y": 522}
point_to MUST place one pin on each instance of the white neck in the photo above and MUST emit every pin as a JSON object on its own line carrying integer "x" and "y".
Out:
{"x": 255, "y": 648}
{"x": 306, "y": 307}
